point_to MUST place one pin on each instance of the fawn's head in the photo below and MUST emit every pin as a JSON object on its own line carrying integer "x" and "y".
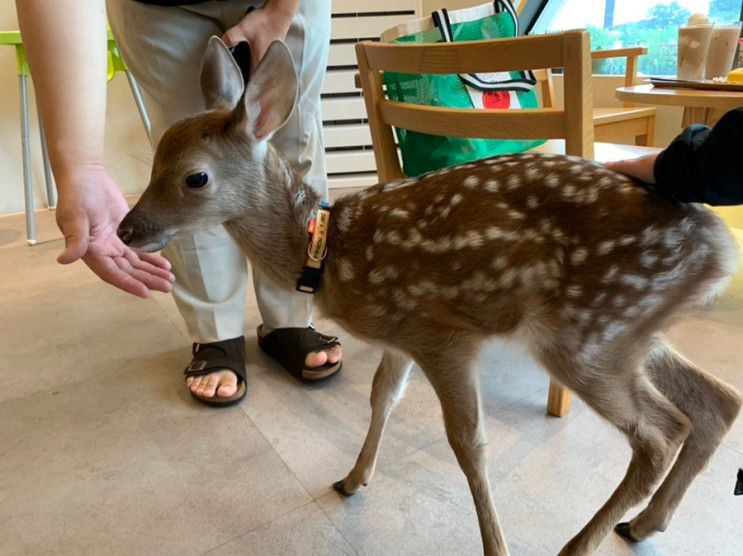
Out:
{"x": 210, "y": 168}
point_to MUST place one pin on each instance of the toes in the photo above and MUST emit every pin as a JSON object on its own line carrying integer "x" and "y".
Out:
{"x": 209, "y": 388}
{"x": 320, "y": 358}
{"x": 335, "y": 354}
{"x": 195, "y": 382}
{"x": 339, "y": 487}
{"x": 227, "y": 390}
{"x": 316, "y": 359}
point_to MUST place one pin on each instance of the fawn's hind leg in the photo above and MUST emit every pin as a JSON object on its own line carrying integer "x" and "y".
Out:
{"x": 456, "y": 381}
{"x": 387, "y": 389}
{"x": 623, "y": 394}
{"x": 711, "y": 405}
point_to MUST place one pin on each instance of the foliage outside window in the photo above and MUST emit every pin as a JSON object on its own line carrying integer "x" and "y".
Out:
{"x": 618, "y": 23}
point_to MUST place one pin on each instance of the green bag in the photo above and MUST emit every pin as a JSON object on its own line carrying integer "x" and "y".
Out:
{"x": 423, "y": 153}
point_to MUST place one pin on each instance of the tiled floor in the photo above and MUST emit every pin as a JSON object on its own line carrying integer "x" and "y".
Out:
{"x": 103, "y": 451}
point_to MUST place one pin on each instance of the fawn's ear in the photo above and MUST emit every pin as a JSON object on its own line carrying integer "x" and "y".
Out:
{"x": 221, "y": 80}
{"x": 271, "y": 93}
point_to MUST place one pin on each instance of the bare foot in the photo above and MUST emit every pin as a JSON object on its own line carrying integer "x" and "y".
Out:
{"x": 316, "y": 358}
{"x": 219, "y": 383}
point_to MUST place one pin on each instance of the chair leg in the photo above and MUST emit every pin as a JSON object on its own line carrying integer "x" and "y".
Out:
{"x": 137, "y": 94}
{"x": 28, "y": 186}
{"x": 647, "y": 139}
{"x": 558, "y": 399}
{"x": 51, "y": 197}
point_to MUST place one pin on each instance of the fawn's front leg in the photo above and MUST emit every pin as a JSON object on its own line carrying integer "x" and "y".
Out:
{"x": 387, "y": 389}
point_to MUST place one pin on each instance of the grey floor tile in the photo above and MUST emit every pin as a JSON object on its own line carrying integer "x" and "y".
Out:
{"x": 305, "y": 531}
{"x": 126, "y": 464}
{"x": 393, "y": 517}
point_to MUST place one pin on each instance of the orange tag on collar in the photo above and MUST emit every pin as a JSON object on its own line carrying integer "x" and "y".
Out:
{"x": 311, "y": 226}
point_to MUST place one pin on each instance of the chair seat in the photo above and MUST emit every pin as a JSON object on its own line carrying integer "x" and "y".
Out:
{"x": 603, "y": 152}
{"x": 621, "y": 114}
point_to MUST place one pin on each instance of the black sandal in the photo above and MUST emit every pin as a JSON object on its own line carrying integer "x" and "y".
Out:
{"x": 289, "y": 347}
{"x": 215, "y": 356}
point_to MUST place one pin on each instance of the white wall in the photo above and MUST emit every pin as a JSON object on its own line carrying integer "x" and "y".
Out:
{"x": 127, "y": 149}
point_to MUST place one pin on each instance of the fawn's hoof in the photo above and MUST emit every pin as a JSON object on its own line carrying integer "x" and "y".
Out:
{"x": 624, "y": 530}
{"x": 338, "y": 487}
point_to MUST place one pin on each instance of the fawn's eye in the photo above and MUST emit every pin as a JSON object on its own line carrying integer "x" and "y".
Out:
{"x": 198, "y": 179}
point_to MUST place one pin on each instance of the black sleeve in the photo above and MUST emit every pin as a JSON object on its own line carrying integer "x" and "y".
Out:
{"x": 704, "y": 165}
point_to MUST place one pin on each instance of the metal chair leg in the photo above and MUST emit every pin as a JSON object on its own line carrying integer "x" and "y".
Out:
{"x": 28, "y": 185}
{"x": 51, "y": 197}
{"x": 137, "y": 93}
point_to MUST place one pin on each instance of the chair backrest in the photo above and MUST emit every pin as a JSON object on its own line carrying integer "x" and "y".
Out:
{"x": 569, "y": 50}
{"x": 426, "y": 23}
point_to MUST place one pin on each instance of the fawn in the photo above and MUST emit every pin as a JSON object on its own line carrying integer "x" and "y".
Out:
{"x": 585, "y": 267}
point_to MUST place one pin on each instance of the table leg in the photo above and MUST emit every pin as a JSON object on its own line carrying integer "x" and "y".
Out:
{"x": 51, "y": 197}
{"x": 28, "y": 186}
{"x": 706, "y": 116}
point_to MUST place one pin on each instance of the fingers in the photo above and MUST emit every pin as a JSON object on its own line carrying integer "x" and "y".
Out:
{"x": 150, "y": 281}
{"x": 155, "y": 259}
{"x": 136, "y": 262}
{"x": 108, "y": 271}
{"x": 233, "y": 36}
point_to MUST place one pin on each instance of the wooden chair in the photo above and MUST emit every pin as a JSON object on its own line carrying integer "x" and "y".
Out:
{"x": 573, "y": 123}
{"x": 610, "y": 124}
{"x": 615, "y": 123}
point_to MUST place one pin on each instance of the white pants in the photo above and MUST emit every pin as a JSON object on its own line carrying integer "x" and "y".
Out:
{"x": 163, "y": 47}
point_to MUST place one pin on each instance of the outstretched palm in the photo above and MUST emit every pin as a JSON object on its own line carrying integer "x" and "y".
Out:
{"x": 88, "y": 215}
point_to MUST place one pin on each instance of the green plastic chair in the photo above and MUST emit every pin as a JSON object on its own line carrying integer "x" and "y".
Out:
{"x": 115, "y": 64}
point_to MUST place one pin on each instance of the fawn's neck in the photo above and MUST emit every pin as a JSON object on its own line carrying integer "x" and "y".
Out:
{"x": 273, "y": 230}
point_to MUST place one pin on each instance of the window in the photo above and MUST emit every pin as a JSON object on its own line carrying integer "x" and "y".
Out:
{"x": 618, "y": 23}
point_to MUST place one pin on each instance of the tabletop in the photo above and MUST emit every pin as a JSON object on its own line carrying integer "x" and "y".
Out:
{"x": 690, "y": 98}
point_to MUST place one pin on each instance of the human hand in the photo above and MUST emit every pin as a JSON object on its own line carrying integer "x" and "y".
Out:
{"x": 89, "y": 211}
{"x": 640, "y": 168}
{"x": 260, "y": 28}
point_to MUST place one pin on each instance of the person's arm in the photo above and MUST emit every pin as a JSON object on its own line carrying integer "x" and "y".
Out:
{"x": 262, "y": 26}
{"x": 66, "y": 49}
{"x": 701, "y": 165}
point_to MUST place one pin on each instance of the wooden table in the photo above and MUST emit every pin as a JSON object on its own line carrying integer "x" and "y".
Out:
{"x": 704, "y": 107}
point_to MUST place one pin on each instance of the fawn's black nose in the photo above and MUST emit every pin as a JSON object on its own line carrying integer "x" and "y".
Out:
{"x": 125, "y": 233}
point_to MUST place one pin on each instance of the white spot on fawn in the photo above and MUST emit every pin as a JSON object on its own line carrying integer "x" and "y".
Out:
{"x": 399, "y": 213}
{"x": 532, "y": 202}
{"x": 471, "y": 182}
{"x": 579, "y": 255}
{"x": 605, "y": 247}
{"x": 456, "y": 199}
{"x": 492, "y": 186}
{"x": 574, "y": 291}
{"x": 345, "y": 270}
{"x": 513, "y": 181}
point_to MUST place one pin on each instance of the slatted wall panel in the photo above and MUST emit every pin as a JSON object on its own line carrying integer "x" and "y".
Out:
{"x": 348, "y": 148}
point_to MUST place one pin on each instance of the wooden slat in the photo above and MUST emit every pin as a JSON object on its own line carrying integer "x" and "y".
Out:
{"x": 360, "y": 6}
{"x": 343, "y": 108}
{"x": 364, "y": 27}
{"x": 618, "y": 52}
{"x": 354, "y": 161}
{"x": 342, "y": 55}
{"x": 539, "y": 123}
{"x": 578, "y": 84}
{"x": 343, "y": 181}
{"x": 346, "y": 135}
{"x": 387, "y": 160}
{"x": 339, "y": 81}
{"x": 544, "y": 51}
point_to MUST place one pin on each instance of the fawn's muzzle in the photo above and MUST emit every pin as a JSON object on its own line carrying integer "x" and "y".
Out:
{"x": 140, "y": 233}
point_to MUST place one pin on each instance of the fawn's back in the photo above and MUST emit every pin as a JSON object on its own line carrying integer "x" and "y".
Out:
{"x": 550, "y": 240}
